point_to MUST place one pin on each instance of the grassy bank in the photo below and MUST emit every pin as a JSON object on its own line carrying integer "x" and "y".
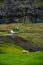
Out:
{"x": 11, "y": 54}
{"x": 31, "y": 32}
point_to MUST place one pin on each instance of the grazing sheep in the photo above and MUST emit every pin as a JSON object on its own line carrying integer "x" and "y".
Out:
{"x": 25, "y": 51}
{"x": 17, "y": 27}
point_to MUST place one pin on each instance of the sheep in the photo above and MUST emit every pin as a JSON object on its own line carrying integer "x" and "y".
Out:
{"x": 25, "y": 51}
{"x": 18, "y": 28}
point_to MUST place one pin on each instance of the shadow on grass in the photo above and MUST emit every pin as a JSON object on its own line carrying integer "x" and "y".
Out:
{"x": 2, "y": 52}
{"x": 3, "y": 64}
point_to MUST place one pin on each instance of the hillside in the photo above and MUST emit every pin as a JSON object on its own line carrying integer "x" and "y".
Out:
{"x": 21, "y": 29}
{"x": 30, "y": 38}
{"x": 30, "y": 34}
{"x": 11, "y": 54}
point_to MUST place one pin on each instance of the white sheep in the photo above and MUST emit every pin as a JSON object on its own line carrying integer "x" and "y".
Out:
{"x": 25, "y": 51}
{"x": 17, "y": 27}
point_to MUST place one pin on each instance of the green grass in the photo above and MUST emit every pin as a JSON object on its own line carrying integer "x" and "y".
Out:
{"x": 32, "y": 32}
{"x": 12, "y": 55}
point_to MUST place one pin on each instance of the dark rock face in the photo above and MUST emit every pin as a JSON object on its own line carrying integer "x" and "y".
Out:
{"x": 21, "y": 42}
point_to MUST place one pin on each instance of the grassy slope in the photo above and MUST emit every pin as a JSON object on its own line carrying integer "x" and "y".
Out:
{"x": 33, "y": 32}
{"x": 12, "y": 55}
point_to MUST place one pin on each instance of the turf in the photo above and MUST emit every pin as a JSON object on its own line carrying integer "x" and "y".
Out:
{"x": 31, "y": 32}
{"x": 13, "y": 55}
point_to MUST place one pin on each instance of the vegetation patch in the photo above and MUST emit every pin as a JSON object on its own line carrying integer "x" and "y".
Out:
{"x": 30, "y": 39}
